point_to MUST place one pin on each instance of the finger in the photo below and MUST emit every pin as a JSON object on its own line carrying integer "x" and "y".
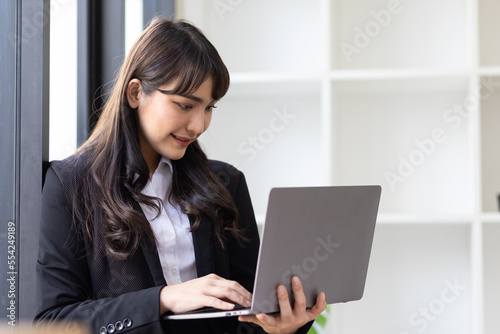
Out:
{"x": 261, "y": 319}
{"x": 247, "y": 318}
{"x": 230, "y": 290}
{"x": 320, "y": 305}
{"x": 237, "y": 287}
{"x": 229, "y": 295}
{"x": 266, "y": 320}
{"x": 218, "y": 303}
{"x": 299, "y": 296}
{"x": 255, "y": 318}
{"x": 284, "y": 304}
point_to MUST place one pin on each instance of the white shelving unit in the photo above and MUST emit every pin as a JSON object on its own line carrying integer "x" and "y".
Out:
{"x": 401, "y": 93}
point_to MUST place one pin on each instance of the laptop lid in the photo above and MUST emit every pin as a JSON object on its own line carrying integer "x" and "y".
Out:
{"x": 323, "y": 235}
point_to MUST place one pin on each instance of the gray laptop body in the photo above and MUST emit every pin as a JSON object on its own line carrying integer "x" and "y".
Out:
{"x": 323, "y": 235}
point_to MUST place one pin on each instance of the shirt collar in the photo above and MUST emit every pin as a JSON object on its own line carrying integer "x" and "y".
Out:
{"x": 166, "y": 161}
{"x": 160, "y": 183}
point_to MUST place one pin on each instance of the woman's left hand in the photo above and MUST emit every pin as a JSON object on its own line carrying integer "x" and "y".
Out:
{"x": 289, "y": 320}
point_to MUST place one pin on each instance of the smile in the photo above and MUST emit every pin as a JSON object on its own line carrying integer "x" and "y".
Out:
{"x": 181, "y": 140}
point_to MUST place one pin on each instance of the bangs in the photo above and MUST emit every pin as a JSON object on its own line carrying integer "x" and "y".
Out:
{"x": 196, "y": 66}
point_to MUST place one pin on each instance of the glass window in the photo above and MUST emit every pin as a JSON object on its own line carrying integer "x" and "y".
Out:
{"x": 63, "y": 84}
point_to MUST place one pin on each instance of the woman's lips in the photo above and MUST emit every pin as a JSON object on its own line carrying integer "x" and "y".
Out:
{"x": 182, "y": 141}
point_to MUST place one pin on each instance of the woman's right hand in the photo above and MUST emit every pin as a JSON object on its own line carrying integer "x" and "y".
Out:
{"x": 210, "y": 290}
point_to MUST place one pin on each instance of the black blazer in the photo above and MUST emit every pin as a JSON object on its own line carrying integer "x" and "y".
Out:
{"x": 109, "y": 295}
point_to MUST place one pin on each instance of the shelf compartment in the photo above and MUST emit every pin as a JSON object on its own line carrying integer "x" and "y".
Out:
{"x": 421, "y": 160}
{"x": 400, "y": 34}
{"x": 419, "y": 279}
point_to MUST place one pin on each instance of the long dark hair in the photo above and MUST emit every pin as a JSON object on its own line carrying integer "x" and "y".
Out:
{"x": 117, "y": 172}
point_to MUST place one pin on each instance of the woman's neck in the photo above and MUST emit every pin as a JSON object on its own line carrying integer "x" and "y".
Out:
{"x": 150, "y": 155}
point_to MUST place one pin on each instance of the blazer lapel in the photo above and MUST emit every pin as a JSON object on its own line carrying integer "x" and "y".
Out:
{"x": 151, "y": 254}
{"x": 203, "y": 247}
{"x": 210, "y": 256}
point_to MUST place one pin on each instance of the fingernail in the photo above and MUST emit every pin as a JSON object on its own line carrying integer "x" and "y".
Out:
{"x": 248, "y": 303}
{"x": 295, "y": 280}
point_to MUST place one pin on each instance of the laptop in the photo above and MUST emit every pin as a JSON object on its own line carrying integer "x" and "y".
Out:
{"x": 323, "y": 235}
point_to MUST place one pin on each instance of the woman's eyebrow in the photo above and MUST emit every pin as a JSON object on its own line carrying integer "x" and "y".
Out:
{"x": 187, "y": 96}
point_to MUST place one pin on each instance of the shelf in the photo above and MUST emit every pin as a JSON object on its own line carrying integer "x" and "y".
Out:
{"x": 490, "y": 217}
{"x": 340, "y": 75}
{"x": 424, "y": 220}
{"x": 436, "y": 220}
{"x": 489, "y": 71}
{"x": 401, "y": 73}
{"x": 402, "y": 219}
{"x": 376, "y": 74}
{"x": 395, "y": 82}
{"x": 272, "y": 87}
{"x": 273, "y": 77}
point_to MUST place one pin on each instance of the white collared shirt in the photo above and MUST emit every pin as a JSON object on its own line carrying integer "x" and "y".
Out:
{"x": 171, "y": 228}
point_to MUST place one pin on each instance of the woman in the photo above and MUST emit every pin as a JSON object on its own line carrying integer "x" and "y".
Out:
{"x": 137, "y": 223}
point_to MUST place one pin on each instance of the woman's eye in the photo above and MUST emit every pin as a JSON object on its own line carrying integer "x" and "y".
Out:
{"x": 183, "y": 106}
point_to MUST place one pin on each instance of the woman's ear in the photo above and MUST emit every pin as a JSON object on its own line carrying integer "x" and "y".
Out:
{"x": 134, "y": 88}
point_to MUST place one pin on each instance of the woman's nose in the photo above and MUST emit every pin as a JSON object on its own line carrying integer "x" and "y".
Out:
{"x": 197, "y": 122}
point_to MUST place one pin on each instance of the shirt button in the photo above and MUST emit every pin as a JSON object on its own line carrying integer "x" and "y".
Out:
{"x": 170, "y": 235}
{"x": 174, "y": 271}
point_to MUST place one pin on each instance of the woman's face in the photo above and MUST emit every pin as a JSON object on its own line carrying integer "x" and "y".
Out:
{"x": 167, "y": 123}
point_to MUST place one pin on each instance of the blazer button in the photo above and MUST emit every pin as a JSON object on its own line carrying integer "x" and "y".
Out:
{"x": 127, "y": 322}
{"x": 103, "y": 330}
{"x": 119, "y": 325}
{"x": 111, "y": 328}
